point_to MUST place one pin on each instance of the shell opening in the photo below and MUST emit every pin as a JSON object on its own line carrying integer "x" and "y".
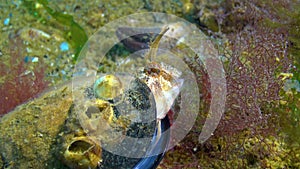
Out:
{"x": 80, "y": 146}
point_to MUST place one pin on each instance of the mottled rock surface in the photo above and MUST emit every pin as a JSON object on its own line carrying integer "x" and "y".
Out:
{"x": 29, "y": 132}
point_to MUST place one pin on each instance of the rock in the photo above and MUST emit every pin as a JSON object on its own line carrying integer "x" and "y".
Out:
{"x": 21, "y": 143}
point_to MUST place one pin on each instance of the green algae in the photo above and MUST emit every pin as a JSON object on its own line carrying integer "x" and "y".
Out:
{"x": 74, "y": 34}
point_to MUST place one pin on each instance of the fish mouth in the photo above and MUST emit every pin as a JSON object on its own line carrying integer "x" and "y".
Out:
{"x": 137, "y": 38}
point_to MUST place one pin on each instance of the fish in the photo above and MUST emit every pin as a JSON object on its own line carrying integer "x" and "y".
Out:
{"x": 163, "y": 80}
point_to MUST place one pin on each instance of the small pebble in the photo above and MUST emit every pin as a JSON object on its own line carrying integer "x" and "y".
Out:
{"x": 40, "y": 134}
{"x": 26, "y": 59}
{"x": 35, "y": 59}
{"x": 64, "y": 46}
{"x": 292, "y": 84}
{"x": 32, "y": 59}
{"x": 6, "y": 21}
